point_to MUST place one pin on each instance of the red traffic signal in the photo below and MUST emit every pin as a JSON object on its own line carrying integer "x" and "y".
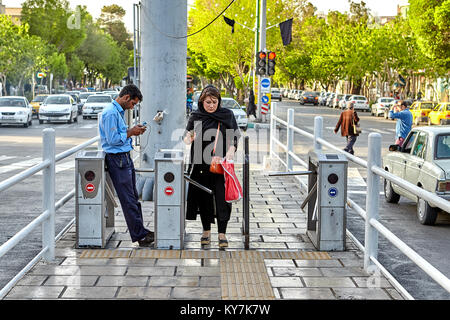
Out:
{"x": 272, "y": 55}
{"x": 261, "y": 63}
{"x": 271, "y": 63}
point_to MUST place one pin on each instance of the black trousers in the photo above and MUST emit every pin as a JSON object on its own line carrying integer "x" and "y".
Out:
{"x": 123, "y": 175}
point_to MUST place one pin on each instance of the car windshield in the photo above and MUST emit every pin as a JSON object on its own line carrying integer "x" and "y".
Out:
{"x": 57, "y": 100}
{"x": 230, "y": 104}
{"x": 85, "y": 95}
{"x": 443, "y": 146}
{"x": 386, "y": 100}
{"x": 359, "y": 98}
{"x": 426, "y": 106}
{"x": 12, "y": 102}
{"x": 39, "y": 98}
{"x": 99, "y": 99}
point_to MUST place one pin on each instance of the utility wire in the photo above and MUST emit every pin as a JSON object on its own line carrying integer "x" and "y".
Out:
{"x": 189, "y": 35}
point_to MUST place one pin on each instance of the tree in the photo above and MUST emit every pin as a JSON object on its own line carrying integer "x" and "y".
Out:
{"x": 429, "y": 20}
{"x": 111, "y": 21}
{"x": 56, "y": 23}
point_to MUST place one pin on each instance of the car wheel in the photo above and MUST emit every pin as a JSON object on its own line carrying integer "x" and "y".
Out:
{"x": 41, "y": 121}
{"x": 425, "y": 213}
{"x": 389, "y": 194}
{"x": 25, "y": 125}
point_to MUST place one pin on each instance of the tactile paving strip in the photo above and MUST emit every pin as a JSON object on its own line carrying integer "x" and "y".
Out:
{"x": 105, "y": 253}
{"x": 245, "y": 279}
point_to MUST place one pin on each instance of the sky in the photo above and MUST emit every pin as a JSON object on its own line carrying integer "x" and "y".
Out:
{"x": 377, "y": 7}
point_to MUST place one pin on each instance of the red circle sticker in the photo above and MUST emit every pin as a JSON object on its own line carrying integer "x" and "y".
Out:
{"x": 168, "y": 191}
{"x": 90, "y": 187}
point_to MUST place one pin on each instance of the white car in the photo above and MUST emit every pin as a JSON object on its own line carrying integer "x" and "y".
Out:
{"x": 239, "y": 113}
{"x": 95, "y": 104}
{"x": 360, "y": 103}
{"x": 15, "y": 110}
{"x": 84, "y": 96}
{"x": 380, "y": 106}
{"x": 58, "y": 107}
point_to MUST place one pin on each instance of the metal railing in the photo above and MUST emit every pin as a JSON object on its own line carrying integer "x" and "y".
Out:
{"x": 373, "y": 227}
{"x": 47, "y": 218}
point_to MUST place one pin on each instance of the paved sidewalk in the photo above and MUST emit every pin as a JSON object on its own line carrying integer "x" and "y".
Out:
{"x": 282, "y": 263}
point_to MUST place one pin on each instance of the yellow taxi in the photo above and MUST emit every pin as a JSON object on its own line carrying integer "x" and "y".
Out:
{"x": 440, "y": 114}
{"x": 36, "y": 102}
{"x": 420, "y": 111}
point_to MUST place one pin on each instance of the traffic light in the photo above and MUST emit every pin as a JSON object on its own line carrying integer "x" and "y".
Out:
{"x": 271, "y": 63}
{"x": 261, "y": 63}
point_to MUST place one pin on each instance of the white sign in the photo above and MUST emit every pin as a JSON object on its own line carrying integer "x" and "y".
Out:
{"x": 265, "y": 85}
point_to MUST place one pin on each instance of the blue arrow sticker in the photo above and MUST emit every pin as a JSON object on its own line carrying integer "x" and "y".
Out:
{"x": 265, "y": 99}
{"x": 332, "y": 192}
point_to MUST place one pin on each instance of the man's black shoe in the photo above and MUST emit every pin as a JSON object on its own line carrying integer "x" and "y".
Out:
{"x": 148, "y": 240}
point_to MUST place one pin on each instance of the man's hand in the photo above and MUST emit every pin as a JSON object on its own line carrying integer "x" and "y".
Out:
{"x": 136, "y": 130}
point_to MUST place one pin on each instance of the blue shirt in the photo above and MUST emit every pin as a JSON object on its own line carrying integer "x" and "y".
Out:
{"x": 113, "y": 130}
{"x": 404, "y": 122}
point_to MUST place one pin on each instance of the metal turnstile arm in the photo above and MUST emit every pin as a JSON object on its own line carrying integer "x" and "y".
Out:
{"x": 195, "y": 183}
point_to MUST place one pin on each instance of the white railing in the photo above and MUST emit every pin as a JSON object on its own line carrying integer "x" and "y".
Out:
{"x": 373, "y": 227}
{"x": 47, "y": 218}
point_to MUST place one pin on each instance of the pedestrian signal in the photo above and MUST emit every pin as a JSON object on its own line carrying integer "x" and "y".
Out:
{"x": 261, "y": 63}
{"x": 271, "y": 63}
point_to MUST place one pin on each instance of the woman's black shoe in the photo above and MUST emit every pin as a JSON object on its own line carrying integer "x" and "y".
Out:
{"x": 148, "y": 240}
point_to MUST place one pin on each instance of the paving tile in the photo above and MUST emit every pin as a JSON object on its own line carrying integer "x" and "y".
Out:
{"x": 151, "y": 271}
{"x": 307, "y": 293}
{"x": 101, "y": 270}
{"x": 77, "y": 280}
{"x": 90, "y": 292}
{"x": 34, "y": 292}
{"x": 195, "y": 271}
{"x": 122, "y": 281}
{"x": 286, "y": 282}
{"x": 361, "y": 294}
{"x": 330, "y": 282}
{"x": 318, "y": 263}
{"x": 29, "y": 280}
{"x": 279, "y": 263}
{"x": 344, "y": 272}
{"x": 162, "y": 293}
{"x": 301, "y": 272}
{"x": 174, "y": 281}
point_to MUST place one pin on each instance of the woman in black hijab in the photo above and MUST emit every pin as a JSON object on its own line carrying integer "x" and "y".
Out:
{"x": 201, "y": 131}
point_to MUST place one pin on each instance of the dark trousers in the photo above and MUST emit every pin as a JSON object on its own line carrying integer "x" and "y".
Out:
{"x": 122, "y": 173}
{"x": 350, "y": 142}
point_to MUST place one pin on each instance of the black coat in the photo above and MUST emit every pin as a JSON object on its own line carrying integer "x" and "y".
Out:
{"x": 199, "y": 201}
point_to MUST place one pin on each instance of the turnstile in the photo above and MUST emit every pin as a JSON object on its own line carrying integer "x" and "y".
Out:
{"x": 94, "y": 200}
{"x": 169, "y": 197}
{"x": 327, "y": 194}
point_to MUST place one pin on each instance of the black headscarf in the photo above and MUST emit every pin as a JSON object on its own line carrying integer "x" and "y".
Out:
{"x": 211, "y": 120}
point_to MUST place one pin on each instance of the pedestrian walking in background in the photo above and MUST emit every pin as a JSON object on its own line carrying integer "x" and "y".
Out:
{"x": 251, "y": 108}
{"x": 208, "y": 121}
{"x": 404, "y": 117}
{"x": 117, "y": 144}
{"x": 348, "y": 123}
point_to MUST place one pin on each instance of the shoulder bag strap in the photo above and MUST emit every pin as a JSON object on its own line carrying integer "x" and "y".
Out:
{"x": 217, "y": 137}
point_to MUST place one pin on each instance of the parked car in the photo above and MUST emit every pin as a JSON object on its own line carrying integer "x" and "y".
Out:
{"x": 292, "y": 94}
{"x": 379, "y": 107}
{"x": 275, "y": 94}
{"x": 344, "y": 100}
{"x": 420, "y": 111}
{"x": 195, "y": 98}
{"x": 336, "y": 99}
{"x": 440, "y": 114}
{"x": 36, "y": 103}
{"x": 15, "y": 110}
{"x": 76, "y": 97}
{"x": 330, "y": 98}
{"x": 360, "y": 103}
{"x": 58, "y": 107}
{"x": 298, "y": 95}
{"x": 310, "y": 97}
{"x": 95, "y": 104}
{"x": 239, "y": 113}
{"x": 423, "y": 160}
{"x": 322, "y": 98}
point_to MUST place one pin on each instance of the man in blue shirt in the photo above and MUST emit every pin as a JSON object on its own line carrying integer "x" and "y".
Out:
{"x": 404, "y": 122}
{"x": 116, "y": 142}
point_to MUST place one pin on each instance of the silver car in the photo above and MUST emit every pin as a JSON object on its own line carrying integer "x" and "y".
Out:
{"x": 423, "y": 160}
{"x": 275, "y": 94}
{"x": 360, "y": 103}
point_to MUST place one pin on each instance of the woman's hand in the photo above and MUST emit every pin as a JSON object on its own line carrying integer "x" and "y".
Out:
{"x": 189, "y": 137}
{"x": 230, "y": 153}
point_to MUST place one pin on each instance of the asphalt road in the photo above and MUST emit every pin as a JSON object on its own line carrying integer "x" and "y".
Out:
{"x": 431, "y": 242}
{"x": 22, "y": 147}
